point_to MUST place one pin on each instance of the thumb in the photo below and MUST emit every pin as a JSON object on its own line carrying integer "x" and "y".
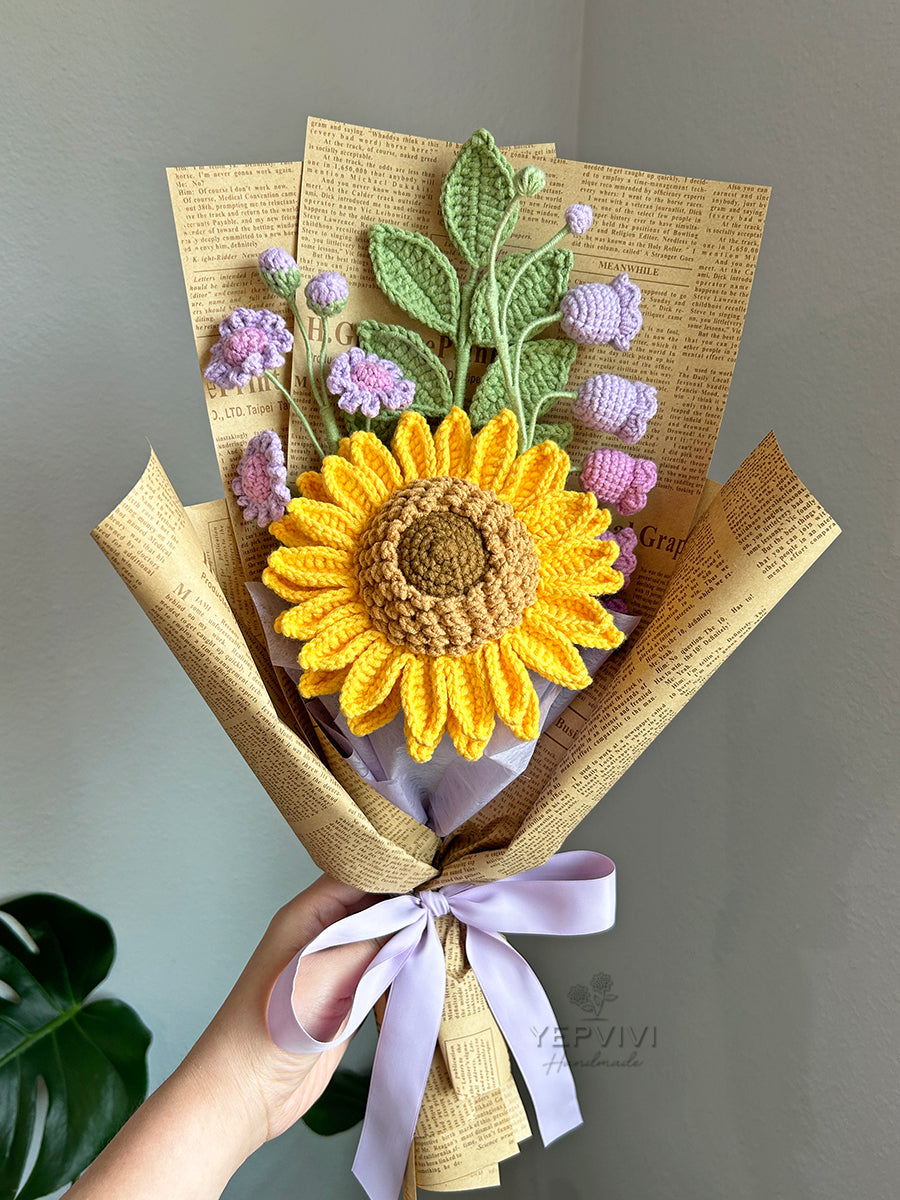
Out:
{"x": 325, "y": 984}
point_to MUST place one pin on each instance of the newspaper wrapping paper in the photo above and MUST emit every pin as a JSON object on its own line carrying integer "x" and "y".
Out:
{"x": 570, "y": 894}
{"x": 692, "y": 246}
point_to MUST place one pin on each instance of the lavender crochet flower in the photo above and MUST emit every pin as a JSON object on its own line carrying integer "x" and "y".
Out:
{"x": 597, "y": 313}
{"x": 260, "y": 481}
{"x": 579, "y": 218}
{"x": 366, "y": 383}
{"x": 250, "y": 343}
{"x": 327, "y": 294}
{"x": 626, "y": 540}
{"x": 279, "y": 272}
{"x": 611, "y": 404}
{"x": 616, "y": 478}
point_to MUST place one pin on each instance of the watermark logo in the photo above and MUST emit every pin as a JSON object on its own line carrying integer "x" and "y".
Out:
{"x": 601, "y": 1036}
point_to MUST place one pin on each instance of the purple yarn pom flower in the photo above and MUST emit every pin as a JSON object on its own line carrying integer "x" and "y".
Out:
{"x": 614, "y": 405}
{"x": 250, "y": 343}
{"x": 616, "y": 478}
{"x": 614, "y": 604}
{"x": 260, "y": 481}
{"x": 366, "y": 383}
{"x": 579, "y": 218}
{"x": 626, "y": 540}
{"x": 327, "y": 294}
{"x": 279, "y": 272}
{"x": 597, "y": 313}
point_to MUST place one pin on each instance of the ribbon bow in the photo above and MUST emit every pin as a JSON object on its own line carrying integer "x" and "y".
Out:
{"x": 572, "y": 893}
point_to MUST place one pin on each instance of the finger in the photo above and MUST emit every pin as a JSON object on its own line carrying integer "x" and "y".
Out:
{"x": 325, "y": 985}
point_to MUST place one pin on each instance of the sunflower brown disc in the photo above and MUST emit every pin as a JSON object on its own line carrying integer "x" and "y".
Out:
{"x": 445, "y": 567}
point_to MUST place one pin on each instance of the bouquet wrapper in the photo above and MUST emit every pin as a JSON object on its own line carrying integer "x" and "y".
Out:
{"x": 757, "y": 536}
{"x": 712, "y": 561}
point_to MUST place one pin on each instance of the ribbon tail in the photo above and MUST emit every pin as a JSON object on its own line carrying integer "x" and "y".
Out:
{"x": 512, "y": 989}
{"x": 406, "y": 1044}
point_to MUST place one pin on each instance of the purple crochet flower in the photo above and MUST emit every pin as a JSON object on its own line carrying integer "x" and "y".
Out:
{"x": 260, "y": 481}
{"x": 611, "y": 404}
{"x": 250, "y": 342}
{"x": 366, "y": 383}
{"x": 279, "y": 272}
{"x": 597, "y": 313}
{"x": 327, "y": 294}
{"x": 616, "y": 478}
{"x": 626, "y": 539}
{"x": 614, "y": 604}
{"x": 579, "y": 218}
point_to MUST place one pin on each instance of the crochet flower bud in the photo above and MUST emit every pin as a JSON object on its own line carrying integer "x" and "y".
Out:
{"x": 326, "y": 294}
{"x": 279, "y": 272}
{"x": 529, "y": 181}
{"x": 579, "y": 218}
{"x": 626, "y": 540}
{"x": 616, "y": 478}
{"x": 599, "y": 313}
{"x": 614, "y": 405}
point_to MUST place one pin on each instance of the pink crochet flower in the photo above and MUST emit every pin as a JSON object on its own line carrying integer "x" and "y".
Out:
{"x": 250, "y": 343}
{"x": 615, "y": 405}
{"x": 626, "y": 539}
{"x": 366, "y": 383}
{"x": 260, "y": 481}
{"x": 599, "y": 313}
{"x": 616, "y": 478}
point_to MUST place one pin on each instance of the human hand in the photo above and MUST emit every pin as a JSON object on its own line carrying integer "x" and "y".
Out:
{"x": 236, "y": 1089}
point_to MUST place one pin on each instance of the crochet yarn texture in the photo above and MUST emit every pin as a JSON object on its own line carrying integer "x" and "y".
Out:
{"x": 433, "y": 576}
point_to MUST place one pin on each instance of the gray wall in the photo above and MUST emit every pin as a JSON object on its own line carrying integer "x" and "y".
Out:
{"x": 756, "y": 840}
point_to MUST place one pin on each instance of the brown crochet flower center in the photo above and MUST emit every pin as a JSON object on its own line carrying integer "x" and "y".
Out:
{"x": 442, "y": 553}
{"x": 445, "y": 567}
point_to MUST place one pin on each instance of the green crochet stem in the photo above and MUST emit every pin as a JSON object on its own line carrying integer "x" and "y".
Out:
{"x": 326, "y": 412}
{"x": 491, "y": 299}
{"x": 540, "y": 405}
{"x": 296, "y": 408}
{"x": 524, "y": 265}
{"x": 463, "y": 340}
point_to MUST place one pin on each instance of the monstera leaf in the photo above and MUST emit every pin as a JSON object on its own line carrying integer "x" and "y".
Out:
{"x": 91, "y": 1055}
{"x": 342, "y": 1105}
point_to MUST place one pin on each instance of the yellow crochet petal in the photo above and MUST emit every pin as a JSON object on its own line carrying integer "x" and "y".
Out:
{"x": 584, "y": 565}
{"x": 385, "y": 712}
{"x": 367, "y": 450}
{"x": 321, "y": 683}
{"x": 343, "y": 448}
{"x": 355, "y": 488}
{"x": 305, "y": 620}
{"x": 413, "y": 447}
{"x": 453, "y": 444}
{"x": 514, "y": 696}
{"x": 423, "y": 694}
{"x": 558, "y": 517}
{"x": 493, "y": 451}
{"x": 470, "y": 720}
{"x": 313, "y": 522}
{"x": 292, "y": 592}
{"x": 541, "y": 469}
{"x": 371, "y": 678}
{"x": 311, "y": 485}
{"x": 543, "y": 648}
{"x": 582, "y": 619}
{"x": 339, "y": 643}
{"x": 313, "y": 566}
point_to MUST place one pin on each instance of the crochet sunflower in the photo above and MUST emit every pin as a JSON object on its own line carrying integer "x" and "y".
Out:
{"x": 432, "y": 576}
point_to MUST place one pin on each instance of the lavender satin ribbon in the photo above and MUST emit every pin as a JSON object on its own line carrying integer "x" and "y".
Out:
{"x": 572, "y": 893}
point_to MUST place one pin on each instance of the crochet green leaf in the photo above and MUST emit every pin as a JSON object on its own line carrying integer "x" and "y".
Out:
{"x": 476, "y": 193}
{"x": 544, "y": 368}
{"x": 91, "y": 1055}
{"x": 417, "y": 276}
{"x": 537, "y": 293}
{"x": 417, "y": 362}
{"x": 562, "y": 433}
